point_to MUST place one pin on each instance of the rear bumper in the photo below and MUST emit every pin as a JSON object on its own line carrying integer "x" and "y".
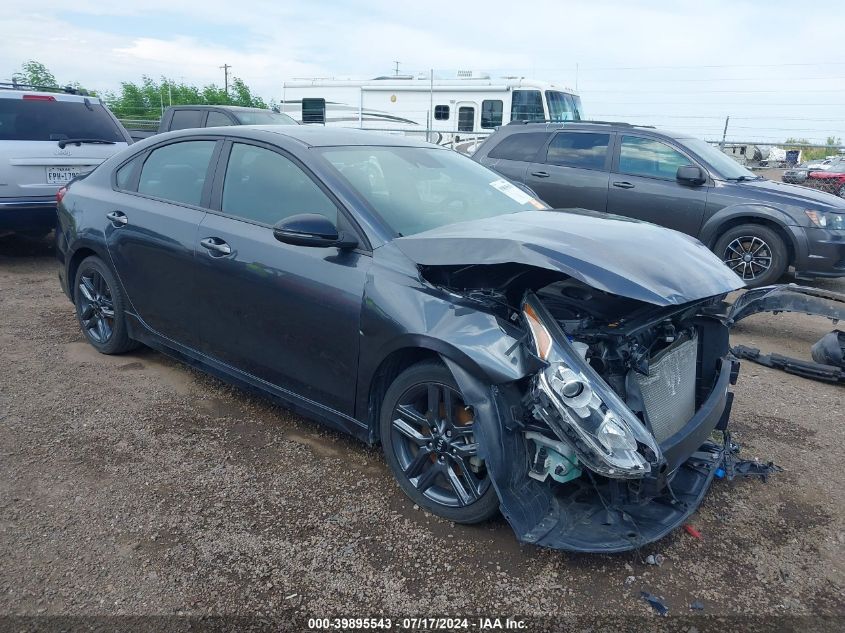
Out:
{"x": 28, "y": 214}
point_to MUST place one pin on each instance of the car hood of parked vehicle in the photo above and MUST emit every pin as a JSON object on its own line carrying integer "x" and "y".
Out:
{"x": 618, "y": 255}
{"x": 781, "y": 192}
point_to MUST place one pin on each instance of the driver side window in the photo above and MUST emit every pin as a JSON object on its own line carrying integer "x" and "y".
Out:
{"x": 640, "y": 156}
{"x": 265, "y": 187}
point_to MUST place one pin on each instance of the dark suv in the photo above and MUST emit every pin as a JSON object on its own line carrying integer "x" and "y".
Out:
{"x": 758, "y": 227}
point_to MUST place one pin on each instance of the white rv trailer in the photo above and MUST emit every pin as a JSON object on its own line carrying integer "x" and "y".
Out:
{"x": 457, "y": 112}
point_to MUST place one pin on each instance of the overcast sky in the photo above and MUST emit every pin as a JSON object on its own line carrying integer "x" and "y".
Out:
{"x": 778, "y": 68}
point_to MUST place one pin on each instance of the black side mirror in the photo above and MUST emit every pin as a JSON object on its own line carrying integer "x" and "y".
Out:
{"x": 690, "y": 175}
{"x": 311, "y": 229}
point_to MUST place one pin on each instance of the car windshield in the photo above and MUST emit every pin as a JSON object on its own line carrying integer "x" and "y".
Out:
{"x": 415, "y": 189}
{"x": 723, "y": 165}
{"x": 562, "y": 106}
{"x": 262, "y": 117}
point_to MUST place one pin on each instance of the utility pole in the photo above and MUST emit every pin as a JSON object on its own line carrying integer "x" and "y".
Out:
{"x": 396, "y": 70}
{"x": 225, "y": 68}
{"x": 725, "y": 132}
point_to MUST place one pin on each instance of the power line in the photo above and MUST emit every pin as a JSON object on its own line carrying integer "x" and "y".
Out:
{"x": 699, "y": 79}
{"x": 697, "y": 66}
{"x": 691, "y": 92}
{"x": 718, "y": 118}
{"x": 749, "y": 104}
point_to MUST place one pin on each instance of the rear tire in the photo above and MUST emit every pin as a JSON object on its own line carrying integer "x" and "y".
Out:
{"x": 100, "y": 307}
{"x": 754, "y": 252}
{"x": 426, "y": 435}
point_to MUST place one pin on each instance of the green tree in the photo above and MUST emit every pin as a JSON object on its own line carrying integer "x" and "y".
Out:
{"x": 35, "y": 73}
{"x": 147, "y": 100}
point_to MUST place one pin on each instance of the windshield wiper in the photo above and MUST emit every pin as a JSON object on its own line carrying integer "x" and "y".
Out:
{"x": 80, "y": 141}
{"x": 745, "y": 178}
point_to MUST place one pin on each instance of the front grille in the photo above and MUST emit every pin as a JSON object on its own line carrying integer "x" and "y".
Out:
{"x": 669, "y": 389}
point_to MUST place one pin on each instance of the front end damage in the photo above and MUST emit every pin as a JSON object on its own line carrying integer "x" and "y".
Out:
{"x": 615, "y": 420}
{"x": 614, "y": 438}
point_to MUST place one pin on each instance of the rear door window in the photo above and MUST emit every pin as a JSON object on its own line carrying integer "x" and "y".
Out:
{"x": 217, "y": 119}
{"x": 640, "y": 156}
{"x": 184, "y": 119}
{"x": 177, "y": 172}
{"x": 126, "y": 175}
{"x": 587, "y": 150}
{"x": 522, "y": 147}
{"x": 46, "y": 118}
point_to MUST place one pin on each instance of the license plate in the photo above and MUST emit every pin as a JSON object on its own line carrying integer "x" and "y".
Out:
{"x": 61, "y": 175}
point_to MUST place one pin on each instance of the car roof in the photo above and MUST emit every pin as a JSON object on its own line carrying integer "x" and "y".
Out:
{"x": 320, "y": 136}
{"x": 230, "y": 108}
{"x": 56, "y": 96}
{"x": 517, "y": 126}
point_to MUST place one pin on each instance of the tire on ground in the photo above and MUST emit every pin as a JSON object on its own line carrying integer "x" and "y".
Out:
{"x": 119, "y": 341}
{"x": 428, "y": 371}
{"x": 780, "y": 254}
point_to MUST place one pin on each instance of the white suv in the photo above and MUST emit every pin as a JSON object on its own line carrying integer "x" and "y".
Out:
{"x": 47, "y": 138}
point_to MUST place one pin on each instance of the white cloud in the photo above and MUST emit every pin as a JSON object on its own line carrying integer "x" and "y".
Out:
{"x": 267, "y": 42}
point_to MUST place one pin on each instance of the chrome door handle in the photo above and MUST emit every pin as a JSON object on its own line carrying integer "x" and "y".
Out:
{"x": 118, "y": 218}
{"x": 540, "y": 174}
{"x": 624, "y": 184}
{"x": 216, "y": 245}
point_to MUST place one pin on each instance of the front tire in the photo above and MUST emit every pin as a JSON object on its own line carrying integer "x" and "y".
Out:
{"x": 754, "y": 252}
{"x": 100, "y": 307}
{"x": 428, "y": 441}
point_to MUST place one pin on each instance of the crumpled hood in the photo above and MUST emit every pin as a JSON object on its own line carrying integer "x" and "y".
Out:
{"x": 621, "y": 256}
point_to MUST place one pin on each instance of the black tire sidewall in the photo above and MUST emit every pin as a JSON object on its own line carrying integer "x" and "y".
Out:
{"x": 428, "y": 371}
{"x": 119, "y": 341}
{"x": 780, "y": 257}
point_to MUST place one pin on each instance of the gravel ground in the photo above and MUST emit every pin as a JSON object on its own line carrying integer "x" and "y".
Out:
{"x": 135, "y": 485}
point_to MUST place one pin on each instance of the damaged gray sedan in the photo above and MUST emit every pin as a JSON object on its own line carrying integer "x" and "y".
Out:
{"x": 552, "y": 365}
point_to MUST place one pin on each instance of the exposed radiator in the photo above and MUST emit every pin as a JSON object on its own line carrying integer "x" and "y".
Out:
{"x": 669, "y": 389}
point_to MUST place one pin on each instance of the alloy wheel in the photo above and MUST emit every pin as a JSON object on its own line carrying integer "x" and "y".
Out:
{"x": 96, "y": 308}
{"x": 748, "y": 256}
{"x": 433, "y": 438}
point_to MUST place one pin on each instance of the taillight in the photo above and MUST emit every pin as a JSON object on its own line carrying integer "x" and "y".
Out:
{"x": 39, "y": 98}
{"x": 61, "y": 194}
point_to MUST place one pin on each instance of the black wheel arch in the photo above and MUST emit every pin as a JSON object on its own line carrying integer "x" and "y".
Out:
{"x": 80, "y": 253}
{"x": 414, "y": 350}
{"x": 770, "y": 217}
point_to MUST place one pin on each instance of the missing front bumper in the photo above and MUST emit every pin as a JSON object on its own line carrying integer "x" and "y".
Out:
{"x": 594, "y": 513}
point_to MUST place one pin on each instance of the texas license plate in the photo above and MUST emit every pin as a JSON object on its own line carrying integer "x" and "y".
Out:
{"x": 61, "y": 175}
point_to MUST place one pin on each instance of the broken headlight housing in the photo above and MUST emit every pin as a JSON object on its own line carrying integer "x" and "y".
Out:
{"x": 581, "y": 408}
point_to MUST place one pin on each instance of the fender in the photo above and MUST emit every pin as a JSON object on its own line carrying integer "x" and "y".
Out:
{"x": 712, "y": 227}
{"x": 452, "y": 327}
{"x": 67, "y": 255}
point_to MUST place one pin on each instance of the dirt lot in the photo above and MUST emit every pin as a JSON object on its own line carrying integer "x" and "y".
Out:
{"x": 134, "y": 485}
